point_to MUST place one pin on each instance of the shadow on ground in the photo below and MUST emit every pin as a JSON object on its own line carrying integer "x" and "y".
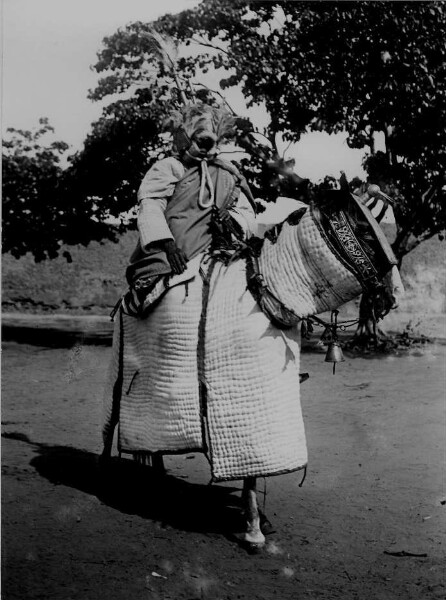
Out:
{"x": 134, "y": 489}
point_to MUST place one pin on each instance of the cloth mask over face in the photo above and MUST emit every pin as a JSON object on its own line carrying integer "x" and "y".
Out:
{"x": 199, "y": 129}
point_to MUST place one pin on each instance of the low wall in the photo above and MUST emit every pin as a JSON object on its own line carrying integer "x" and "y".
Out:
{"x": 92, "y": 283}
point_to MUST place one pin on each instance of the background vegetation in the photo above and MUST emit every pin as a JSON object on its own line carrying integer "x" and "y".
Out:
{"x": 365, "y": 68}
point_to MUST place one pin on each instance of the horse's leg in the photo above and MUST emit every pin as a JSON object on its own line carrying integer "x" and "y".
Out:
{"x": 153, "y": 460}
{"x": 253, "y": 535}
{"x": 107, "y": 449}
{"x": 158, "y": 464}
{"x": 104, "y": 458}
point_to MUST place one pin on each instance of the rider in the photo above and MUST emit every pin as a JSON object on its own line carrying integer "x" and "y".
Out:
{"x": 188, "y": 200}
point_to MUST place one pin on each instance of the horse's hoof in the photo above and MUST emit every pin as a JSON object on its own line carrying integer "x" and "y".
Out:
{"x": 254, "y": 548}
{"x": 252, "y": 541}
{"x": 251, "y": 547}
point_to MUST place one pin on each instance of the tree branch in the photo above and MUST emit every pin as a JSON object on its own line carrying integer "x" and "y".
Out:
{"x": 401, "y": 247}
{"x": 219, "y": 94}
{"x": 209, "y": 45}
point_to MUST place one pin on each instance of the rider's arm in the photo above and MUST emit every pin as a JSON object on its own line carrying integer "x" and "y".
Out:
{"x": 243, "y": 213}
{"x": 155, "y": 190}
{"x": 152, "y": 224}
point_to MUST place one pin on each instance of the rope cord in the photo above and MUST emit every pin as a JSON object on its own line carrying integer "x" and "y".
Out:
{"x": 342, "y": 325}
{"x": 206, "y": 180}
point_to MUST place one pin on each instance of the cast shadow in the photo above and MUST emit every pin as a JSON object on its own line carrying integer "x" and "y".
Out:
{"x": 134, "y": 489}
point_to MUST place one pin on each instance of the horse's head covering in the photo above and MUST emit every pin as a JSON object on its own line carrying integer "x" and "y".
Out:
{"x": 199, "y": 128}
{"x": 353, "y": 232}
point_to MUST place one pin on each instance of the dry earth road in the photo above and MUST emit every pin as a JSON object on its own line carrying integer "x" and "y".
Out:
{"x": 368, "y": 523}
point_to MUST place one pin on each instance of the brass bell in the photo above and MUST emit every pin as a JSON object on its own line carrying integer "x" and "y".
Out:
{"x": 334, "y": 354}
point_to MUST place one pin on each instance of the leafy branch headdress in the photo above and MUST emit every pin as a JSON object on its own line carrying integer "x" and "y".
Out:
{"x": 193, "y": 114}
{"x": 165, "y": 50}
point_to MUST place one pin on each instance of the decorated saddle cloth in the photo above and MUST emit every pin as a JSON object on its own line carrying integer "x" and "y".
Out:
{"x": 144, "y": 294}
{"x": 207, "y": 371}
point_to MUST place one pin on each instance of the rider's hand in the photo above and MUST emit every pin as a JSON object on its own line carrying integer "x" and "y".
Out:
{"x": 222, "y": 215}
{"x": 176, "y": 257}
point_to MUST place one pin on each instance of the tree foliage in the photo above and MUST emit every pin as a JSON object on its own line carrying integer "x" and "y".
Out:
{"x": 41, "y": 210}
{"x": 116, "y": 154}
{"x": 31, "y": 182}
{"x": 367, "y": 68}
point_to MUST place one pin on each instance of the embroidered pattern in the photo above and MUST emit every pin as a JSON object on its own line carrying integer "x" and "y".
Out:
{"x": 352, "y": 247}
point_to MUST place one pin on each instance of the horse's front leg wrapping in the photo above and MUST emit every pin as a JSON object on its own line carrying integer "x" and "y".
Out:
{"x": 253, "y": 535}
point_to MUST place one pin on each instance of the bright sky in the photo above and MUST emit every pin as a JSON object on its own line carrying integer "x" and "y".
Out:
{"x": 49, "y": 46}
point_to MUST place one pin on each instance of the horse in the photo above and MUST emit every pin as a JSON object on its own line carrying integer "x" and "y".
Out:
{"x": 214, "y": 367}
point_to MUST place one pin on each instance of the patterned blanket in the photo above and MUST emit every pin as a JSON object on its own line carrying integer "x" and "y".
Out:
{"x": 207, "y": 371}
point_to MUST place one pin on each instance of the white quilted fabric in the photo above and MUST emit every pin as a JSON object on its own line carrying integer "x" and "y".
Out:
{"x": 251, "y": 372}
{"x": 160, "y": 407}
{"x": 252, "y": 376}
{"x": 249, "y": 421}
{"x": 301, "y": 270}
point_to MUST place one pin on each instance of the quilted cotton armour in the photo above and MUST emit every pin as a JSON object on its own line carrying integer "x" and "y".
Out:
{"x": 249, "y": 370}
{"x": 301, "y": 270}
{"x": 207, "y": 371}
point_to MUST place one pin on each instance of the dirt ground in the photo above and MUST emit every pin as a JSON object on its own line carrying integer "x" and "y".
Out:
{"x": 368, "y": 522}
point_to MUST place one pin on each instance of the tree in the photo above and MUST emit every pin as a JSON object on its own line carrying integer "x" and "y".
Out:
{"x": 147, "y": 93}
{"x": 366, "y": 68}
{"x": 361, "y": 67}
{"x": 41, "y": 210}
{"x": 31, "y": 178}
{"x": 116, "y": 155}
